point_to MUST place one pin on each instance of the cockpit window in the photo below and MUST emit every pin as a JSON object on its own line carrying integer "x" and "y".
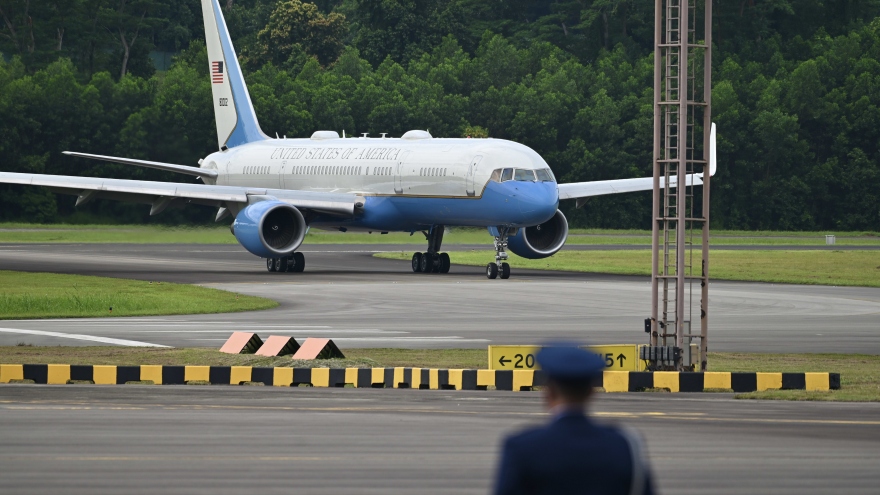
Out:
{"x": 545, "y": 175}
{"x": 524, "y": 174}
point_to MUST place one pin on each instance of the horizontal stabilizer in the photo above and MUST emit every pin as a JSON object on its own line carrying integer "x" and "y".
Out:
{"x": 169, "y": 167}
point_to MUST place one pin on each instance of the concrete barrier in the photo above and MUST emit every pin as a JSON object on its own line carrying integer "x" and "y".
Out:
{"x": 418, "y": 378}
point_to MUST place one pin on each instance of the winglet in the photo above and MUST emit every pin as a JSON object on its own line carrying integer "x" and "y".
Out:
{"x": 713, "y": 151}
{"x": 233, "y": 111}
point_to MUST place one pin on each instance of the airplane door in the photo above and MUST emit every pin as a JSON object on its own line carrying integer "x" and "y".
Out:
{"x": 471, "y": 176}
{"x": 398, "y": 174}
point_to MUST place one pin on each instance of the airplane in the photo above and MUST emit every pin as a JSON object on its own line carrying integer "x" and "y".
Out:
{"x": 277, "y": 189}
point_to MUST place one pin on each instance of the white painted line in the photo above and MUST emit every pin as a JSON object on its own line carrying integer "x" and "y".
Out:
{"x": 117, "y": 320}
{"x": 77, "y": 336}
{"x": 236, "y": 326}
{"x": 408, "y": 339}
{"x": 308, "y": 331}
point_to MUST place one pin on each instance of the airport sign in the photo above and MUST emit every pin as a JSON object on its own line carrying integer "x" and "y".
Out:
{"x": 618, "y": 357}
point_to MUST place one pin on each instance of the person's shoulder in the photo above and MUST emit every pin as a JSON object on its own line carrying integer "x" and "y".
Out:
{"x": 527, "y": 436}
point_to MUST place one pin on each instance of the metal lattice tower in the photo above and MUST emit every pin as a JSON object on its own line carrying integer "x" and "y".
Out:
{"x": 682, "y": 116}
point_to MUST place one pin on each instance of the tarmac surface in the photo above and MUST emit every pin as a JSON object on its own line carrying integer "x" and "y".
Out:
{"x": 85, "y": 439}
{"x": 360, "y": 301}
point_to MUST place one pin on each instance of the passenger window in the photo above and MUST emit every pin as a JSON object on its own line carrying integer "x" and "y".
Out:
{"x": 507, "y": 174}
{"x": 523, "y": 174}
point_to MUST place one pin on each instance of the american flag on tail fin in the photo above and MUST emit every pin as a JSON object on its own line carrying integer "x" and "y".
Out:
{"x": 217, "y": 72}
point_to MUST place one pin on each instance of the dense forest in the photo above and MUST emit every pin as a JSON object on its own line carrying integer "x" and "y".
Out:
{"x": 796, "y": 94}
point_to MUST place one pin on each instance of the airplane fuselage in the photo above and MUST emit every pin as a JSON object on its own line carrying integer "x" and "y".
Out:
{"x": 407, "y": 184}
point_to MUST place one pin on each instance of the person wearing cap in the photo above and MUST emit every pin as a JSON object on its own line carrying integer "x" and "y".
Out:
{"x": 572, "y": 454}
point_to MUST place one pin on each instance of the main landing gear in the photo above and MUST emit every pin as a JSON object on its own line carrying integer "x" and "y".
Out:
{"x": 432, "y": 261}
{"x": 500, "y": 266}
{"x": 293, "y": 263}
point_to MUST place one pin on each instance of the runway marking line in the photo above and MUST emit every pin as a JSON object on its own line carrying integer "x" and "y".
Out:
{"x": 39, "y": 457}
{"x": 77, "y": 336}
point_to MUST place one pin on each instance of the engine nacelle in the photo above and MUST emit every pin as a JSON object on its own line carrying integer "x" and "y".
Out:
{"x": 270, "y": 228}
{"x": 540, "y": 241}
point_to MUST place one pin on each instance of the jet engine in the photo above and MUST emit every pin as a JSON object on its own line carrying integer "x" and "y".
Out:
{"x": 270, "y": 228}
{"x": 540, "y": 241}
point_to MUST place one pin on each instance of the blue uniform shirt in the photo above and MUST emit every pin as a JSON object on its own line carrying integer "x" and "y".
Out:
{"x": 571, "y": 455}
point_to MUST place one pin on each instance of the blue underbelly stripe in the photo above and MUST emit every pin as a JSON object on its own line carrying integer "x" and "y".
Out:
{"x": 512, "y": 203}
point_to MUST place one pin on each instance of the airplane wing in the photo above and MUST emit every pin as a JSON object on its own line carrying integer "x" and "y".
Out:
{"x": 161, "y": 194}
{"x": 168, "y": 167}
{"x": 577, "y": 190}
{"x": 580, "y": 190}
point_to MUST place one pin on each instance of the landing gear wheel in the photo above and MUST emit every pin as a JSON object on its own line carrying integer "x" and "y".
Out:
{"x": 417, "y": 262}
{"x": 500, "y": 264}
{"x": 435, "y": 263}
{"x": 444, "y": 263}
{"x": 270, "y": 264}
{"x": 299, "y": 263}
{"x": 425, "y": 263}
{"x": 491, "y": 271}
{"x": 283, "y": 264}
{"x": 277, "y": 264}
{"x": 505, "y": 271}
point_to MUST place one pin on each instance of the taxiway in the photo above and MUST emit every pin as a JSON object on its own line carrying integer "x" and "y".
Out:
{"x": 362, "y": 301}
{"x": 85, "y": 439}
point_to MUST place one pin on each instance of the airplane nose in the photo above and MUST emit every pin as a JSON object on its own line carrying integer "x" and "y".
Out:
{"x": 538, "y": 201}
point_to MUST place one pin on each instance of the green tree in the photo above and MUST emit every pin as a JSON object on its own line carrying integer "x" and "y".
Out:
{"x": 298, "y": 28}
{"x": 127, "y": 20}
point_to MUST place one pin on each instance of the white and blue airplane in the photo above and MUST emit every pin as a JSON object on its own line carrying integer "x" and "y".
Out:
{"x": 276, "y": 189}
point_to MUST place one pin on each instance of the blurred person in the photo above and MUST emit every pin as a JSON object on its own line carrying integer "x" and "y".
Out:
{"x": 572, "y": 454}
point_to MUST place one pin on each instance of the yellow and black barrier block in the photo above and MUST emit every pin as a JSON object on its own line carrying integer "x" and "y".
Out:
{"x": 674, "y": 381}
{"x": 417, "y": 378}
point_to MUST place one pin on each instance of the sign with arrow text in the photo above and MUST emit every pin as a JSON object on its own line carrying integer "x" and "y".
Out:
{"x": 618, "y": 357}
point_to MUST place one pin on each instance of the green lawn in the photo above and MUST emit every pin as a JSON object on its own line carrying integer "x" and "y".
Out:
{"x": 859, "y": 373}
{"x": 134, "y": 356}
{"x": 857, "y": 268}
{"x": 45, "y": 295}
{"x": 155, "y": 234}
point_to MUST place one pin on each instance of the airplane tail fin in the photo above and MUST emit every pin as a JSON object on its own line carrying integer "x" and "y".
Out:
{"x": 233, "y": 111}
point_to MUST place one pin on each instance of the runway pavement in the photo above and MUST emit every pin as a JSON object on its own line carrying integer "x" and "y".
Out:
{"x": 361, "y": 301}
{"x": 81, "y": 439}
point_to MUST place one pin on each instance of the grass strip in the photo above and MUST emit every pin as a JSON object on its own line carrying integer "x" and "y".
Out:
{"x": 133, "y": 356}
{"x": 157, "y": 234}
{"x": 854, "y": 268}
{"x": 859, "y": 373}
{"x": 189, "y": 356}
{"x": 45, "y": 295}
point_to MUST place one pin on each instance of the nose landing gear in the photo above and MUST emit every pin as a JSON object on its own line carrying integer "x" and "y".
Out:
{"x": 500, "y": 266}
{"x": 432, "y": 261}
{"x": 294, "y": 263}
